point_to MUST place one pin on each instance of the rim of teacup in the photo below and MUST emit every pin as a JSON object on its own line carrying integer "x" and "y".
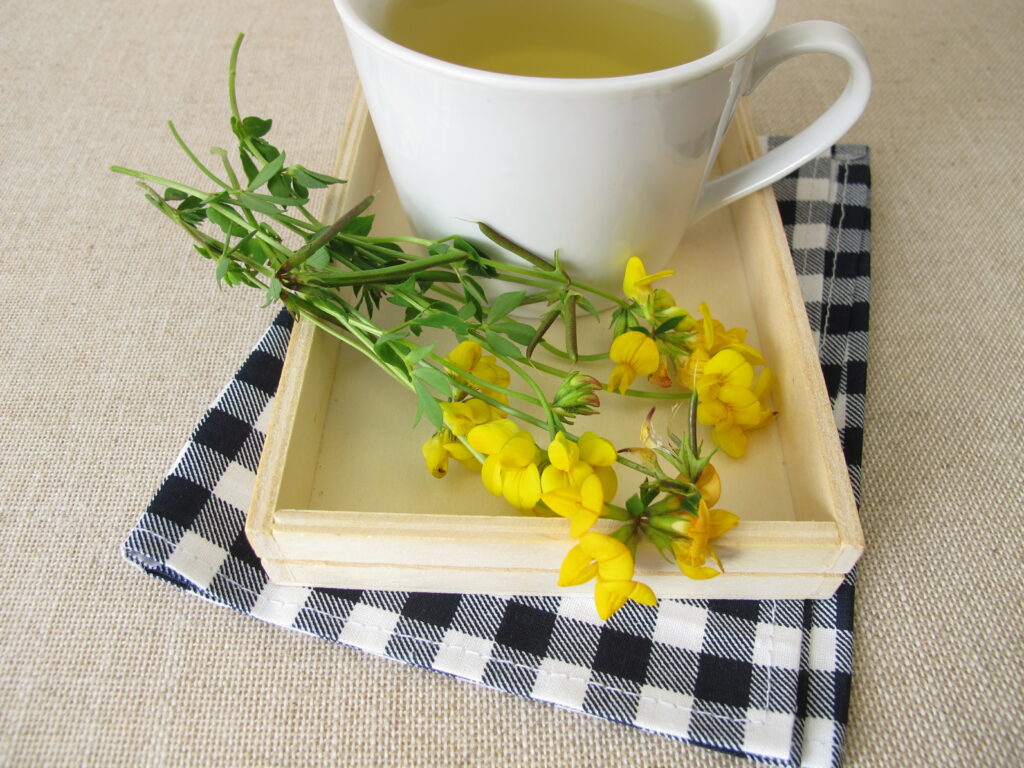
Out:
{"x": 754, "y": 25}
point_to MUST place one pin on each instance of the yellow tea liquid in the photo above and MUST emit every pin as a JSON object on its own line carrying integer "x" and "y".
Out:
{"x": 555, "y": 38}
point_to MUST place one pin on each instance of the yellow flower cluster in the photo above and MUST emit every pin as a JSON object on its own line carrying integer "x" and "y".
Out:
{"x": 705, "y": 357}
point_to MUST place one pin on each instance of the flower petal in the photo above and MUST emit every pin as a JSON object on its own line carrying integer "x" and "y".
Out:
{"x": 518, "y": 451}
{"x": 563, "y": 452}
{"x": 592, "y": 494}
{"x": 491, "y": 437}
{"x": 643, "y": 594}
{"x": 490, "y": 475}
{"x": 622, "y": 376}
{"x": 731, "y": 367}
{"x": 582, "y": 522}
{"x": 577, "y": 568}
{"x": 614, "y": 560}
{"x": 466, "y": 355}
{"x": 698, "y": 573}
{"x": 609, "y": 596}
{"x": 721, "y": 521}
{"x": 732, "y": 440}
{"x": 553, "y": 479}
{"x": 596, "y": 451}
{"x": 709, "y": 484}
{"x": 521, "y": 487}
{"x": 609, "y": 481}
{"x": 564, "y": 501}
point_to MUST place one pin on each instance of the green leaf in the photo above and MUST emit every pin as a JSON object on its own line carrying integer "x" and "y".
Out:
{"x": 322, "y": 178}
{"x": 189, "y": 202}
{"x": 255, "y": 127}
{"x": 227, "y": 225}
{"x": 521, "y": 333}
{"x": 467, "y": 311}
{"x": 442, "y": 320}
{"x": 501, "y": 345}
{"x": 505, "y": 304}
{"x": 280, "y": 186}
{"x": 473, "y": 291}
{"x": 669, "y": 324}
{"x": 222, "y": 267}
{"x": 389, "y": 354}
{"x": 359, "y": 226}
{"x": 320, "y": 259}
{"x": 285, "y": 201}
{"x": 247, "y": 164}
{"x": 427, "y": 404}
{"x": 269, "y": 171}
{"x": 585, "y": 304}
{"x": 634, "y": 506}
{"x": 273, "y": 291}
{"x": 416, "y": 354}
{"x": 434, "y": 378}
{"x": 267, "y": 150}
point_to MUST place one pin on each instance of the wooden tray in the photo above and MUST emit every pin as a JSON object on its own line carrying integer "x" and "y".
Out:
{"x": 342, "y": 497}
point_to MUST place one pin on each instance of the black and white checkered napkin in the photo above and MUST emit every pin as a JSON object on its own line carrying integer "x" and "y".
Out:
{"x": 767, "y": 679}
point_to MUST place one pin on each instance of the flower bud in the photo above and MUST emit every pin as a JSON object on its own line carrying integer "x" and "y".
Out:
{"x": 577, "y": 395}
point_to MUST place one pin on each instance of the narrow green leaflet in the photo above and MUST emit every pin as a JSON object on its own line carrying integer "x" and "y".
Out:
{"x": 504, "y": 304}
{"x": 427, "y": 405}
{"x": 501, "y": 345}
{"x": 226, "y": 224}
{"x": 320, "y": 259}
{"x": 418, "y": 353}
{"x": 434, "y": 378}
{"x": 270, "y": 170}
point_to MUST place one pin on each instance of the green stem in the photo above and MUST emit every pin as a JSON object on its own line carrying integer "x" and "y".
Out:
{"x": 554, "y": 423}
{"x": 198, "y": 163}
{"x": 232, "y": 69}
{"x": 386, "y": 274}
{"x": 229, "y": 213}
{"x": 482, "y": 382}
{"x": 510, "y": 410}
{"x": 598, "y": 357}
{"x": 159, "y": 180}
{"x": 325, "y": 237}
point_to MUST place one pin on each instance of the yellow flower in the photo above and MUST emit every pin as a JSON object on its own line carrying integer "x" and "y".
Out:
{"x": 582, "y": 505}
{"x": 709, "y": 338}
{"x": 730, "y": 401}
{"x": 441, "y": 447}
{"x": 470, "y": 357}
{"x": 692, "y": 551}
{"x": 462, "y": 417}
{"x": 511, "y": 466}
{"x": 436, "y": 456}
{"x": 571, "y": 463}
{"x": 637, "y": 283}
{"x": 611, "y": 562}
{"x": 462, "y": 454}
{"x": 709, "y": 484}
{"x": 636, "y": 354}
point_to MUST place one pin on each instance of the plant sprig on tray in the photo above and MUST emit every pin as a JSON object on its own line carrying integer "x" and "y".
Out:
{"x": 257, "y": 229}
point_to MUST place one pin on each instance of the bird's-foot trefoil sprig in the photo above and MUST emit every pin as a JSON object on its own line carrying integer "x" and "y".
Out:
{"x": 481, "y": 389}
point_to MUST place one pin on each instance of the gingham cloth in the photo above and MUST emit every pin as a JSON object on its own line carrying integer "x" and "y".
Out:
{"x": 768, "y": 679}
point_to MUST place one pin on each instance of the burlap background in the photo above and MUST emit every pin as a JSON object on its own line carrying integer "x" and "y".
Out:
{"x": 115, "y": 340}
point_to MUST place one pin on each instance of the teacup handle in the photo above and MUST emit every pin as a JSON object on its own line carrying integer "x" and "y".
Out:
{"x": 803, "y": 37}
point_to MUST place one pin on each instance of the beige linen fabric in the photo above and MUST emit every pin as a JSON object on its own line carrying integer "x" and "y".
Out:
{"x": 116, "y": 339}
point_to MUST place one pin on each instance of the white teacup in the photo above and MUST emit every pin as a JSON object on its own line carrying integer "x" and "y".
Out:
{"x": 598, "y": 168}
